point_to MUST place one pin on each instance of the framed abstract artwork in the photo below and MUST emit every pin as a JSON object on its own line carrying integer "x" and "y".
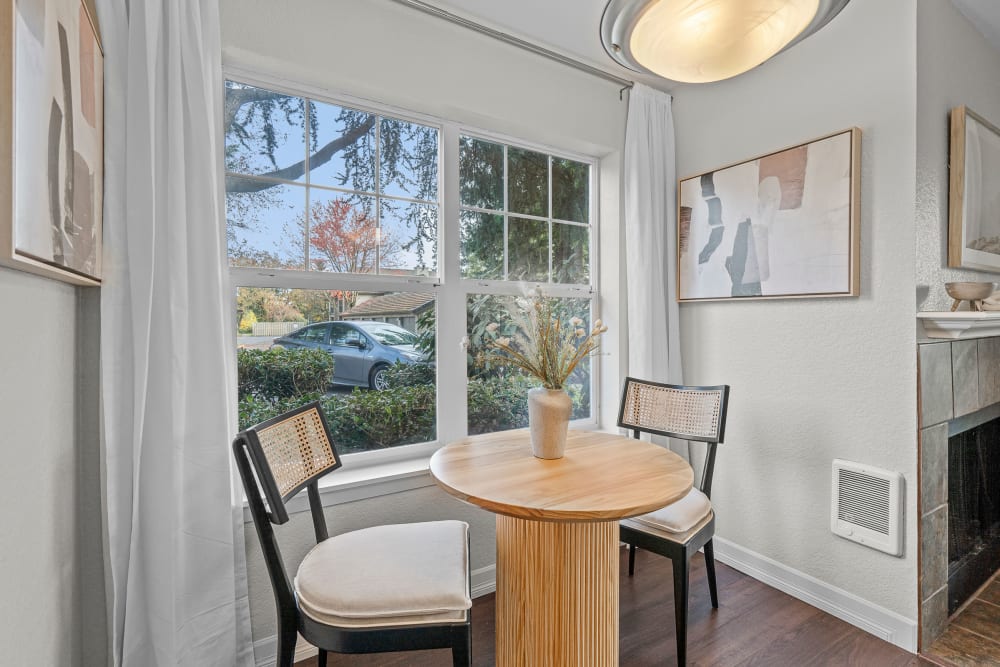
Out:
{"x": 783, "y": 225}
{"x": 974, "y": 192}
{"x": 51, "y": 139}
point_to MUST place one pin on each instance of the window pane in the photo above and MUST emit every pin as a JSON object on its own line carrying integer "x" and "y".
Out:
{"x": 342, "y": 147}
{"x": 408, "y": 160}
{"x": 570, "y": 190}
{"x": 482, "y": 245}
{"x": 280, "y": 369}
{"x": 264, "y": 224}
{"x": 408, "y": 238}
{"x": 265, "y": 131}
{"x": 480, "y": 174}
{"x": 497, "y": 393}
{"x": 343, "y": 232}
{"x": 528, "y": 250}
{"x": 570, "y": 253}
{"x": 528, "y": 182}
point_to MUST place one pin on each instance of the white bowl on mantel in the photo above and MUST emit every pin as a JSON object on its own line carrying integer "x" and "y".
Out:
{"x": 961, "y": 324}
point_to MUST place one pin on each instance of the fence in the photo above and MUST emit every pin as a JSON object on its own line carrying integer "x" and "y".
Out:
{"x": 275, "y": 328}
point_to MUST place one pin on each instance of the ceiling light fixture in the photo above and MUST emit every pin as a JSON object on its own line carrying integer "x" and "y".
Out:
{"x": 698, "y": 41}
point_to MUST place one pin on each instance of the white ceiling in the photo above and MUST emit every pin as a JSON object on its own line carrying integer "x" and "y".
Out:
{"x": 572, "y": 27}
{"x": 985, "y": 15}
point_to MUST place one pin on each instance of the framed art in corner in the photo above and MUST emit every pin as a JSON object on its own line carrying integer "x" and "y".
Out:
{"x": 51, "y": 139}
{"x": 973, "y": 192}
{"x": 783, "y": 225}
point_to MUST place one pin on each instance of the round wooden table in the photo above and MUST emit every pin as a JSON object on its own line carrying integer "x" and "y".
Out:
{"x": 557, "y": 534}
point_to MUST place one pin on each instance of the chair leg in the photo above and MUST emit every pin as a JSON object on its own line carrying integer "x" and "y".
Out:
{"x": 321, "y": 658}
{"x": 681, "y": 567}
{"x": 710, "y": 570}
{"x": 631, "y": 559}
{"x": 461, "y": 646}
{"x": 287, "y": 636}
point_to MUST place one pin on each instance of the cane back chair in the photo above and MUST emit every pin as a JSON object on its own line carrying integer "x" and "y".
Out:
{"x": 387, "y": 588}
{"x": 679, "y": 530}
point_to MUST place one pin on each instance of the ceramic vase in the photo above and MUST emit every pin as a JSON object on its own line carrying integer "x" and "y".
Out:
{"x": 548, "y": 420}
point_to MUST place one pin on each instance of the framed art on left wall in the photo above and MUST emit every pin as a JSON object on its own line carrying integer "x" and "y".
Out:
{"x": 51, "y": 139}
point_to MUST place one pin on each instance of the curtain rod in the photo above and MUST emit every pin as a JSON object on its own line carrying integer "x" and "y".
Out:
{"x": 515, "y": 41}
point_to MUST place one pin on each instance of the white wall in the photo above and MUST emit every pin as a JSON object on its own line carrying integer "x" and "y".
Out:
{"x": 380, "y": 51}
{"x": 955, "y": 66}
{"x": 817, "y": 379}
{"x": 51, "y": 578}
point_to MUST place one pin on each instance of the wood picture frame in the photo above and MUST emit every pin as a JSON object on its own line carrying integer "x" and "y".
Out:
{"x": 782, "y": 225}
{"x": 51, "y": 139}
{"x": 973, "y": 192}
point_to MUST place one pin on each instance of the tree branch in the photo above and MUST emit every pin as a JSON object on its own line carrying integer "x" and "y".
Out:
{"x": 295, "y": 171}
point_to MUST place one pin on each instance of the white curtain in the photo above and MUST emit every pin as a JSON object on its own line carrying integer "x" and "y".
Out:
{"x": 651, "y": 238}
{"x": 177, "y": 590}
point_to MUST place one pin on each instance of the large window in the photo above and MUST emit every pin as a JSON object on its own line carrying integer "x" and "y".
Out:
{"x": 337, "y": 226}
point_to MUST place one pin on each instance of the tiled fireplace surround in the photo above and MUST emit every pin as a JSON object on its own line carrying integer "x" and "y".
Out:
{"x": 957, "y": 379}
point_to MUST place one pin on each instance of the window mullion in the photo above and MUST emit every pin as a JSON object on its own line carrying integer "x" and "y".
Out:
{"x": 506, "y": 220}
{"x": 451, "y": 317}
{"x": 549, "y": 221}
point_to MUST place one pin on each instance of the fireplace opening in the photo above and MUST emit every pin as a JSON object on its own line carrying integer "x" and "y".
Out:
{"x": 973, "y": 510}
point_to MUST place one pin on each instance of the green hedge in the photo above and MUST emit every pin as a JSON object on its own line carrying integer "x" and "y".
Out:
{"x": 278, "y": 373}
{"x": 364, "y": 420}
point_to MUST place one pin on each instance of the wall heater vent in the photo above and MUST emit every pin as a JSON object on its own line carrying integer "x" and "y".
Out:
{"x": 867, "y": 506}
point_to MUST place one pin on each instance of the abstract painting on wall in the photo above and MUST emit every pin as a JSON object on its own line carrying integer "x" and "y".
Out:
{"x": 974, "y": 193}
{"x": 53, "y": 123}
{"x": 781, "y": 225}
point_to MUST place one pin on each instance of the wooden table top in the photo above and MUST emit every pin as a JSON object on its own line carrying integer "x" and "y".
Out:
{"x": 601, "y": 477}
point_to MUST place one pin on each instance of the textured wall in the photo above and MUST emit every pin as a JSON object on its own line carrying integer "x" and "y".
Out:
{"x": 955, "y": 66}
{"x": 51, "y": 580}
{"x": 380, "y": 51}
{"x": 817, "y": 379}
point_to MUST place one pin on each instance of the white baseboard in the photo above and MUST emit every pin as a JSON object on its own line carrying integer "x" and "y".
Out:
{"x": 265, "y": 651}
{"x": 484, "y": 580}
{"x": 871, "y": 618}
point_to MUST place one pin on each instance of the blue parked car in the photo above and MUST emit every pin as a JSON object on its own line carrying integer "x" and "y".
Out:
{"x": 362, "y": 351}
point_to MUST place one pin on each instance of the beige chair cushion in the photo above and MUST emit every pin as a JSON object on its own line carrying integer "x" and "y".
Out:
{"x": 405, "y": 574}
{"x": 680, "y": 516}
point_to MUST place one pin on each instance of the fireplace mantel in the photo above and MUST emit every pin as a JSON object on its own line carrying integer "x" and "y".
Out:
{"x": 961, "y": 324}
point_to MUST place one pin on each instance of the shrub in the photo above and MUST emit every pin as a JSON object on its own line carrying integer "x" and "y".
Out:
{"x": 410, "y": 375}
{"x": 247, "y": 321}
{"x": 279, "y": 373}
{"x": 366, "y": 420}
{"x": 253, "y": 410}
{"x": 498, "y": 403}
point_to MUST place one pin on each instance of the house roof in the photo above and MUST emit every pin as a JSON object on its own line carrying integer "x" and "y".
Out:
{"x": 401, "y": 303}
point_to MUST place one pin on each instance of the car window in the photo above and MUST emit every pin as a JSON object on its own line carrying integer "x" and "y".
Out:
{"x": 390, "y": 335}
{"x": 315, "y": 334}
{"x": 343, "y": 335}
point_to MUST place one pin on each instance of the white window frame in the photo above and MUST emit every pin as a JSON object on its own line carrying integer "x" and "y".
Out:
{"x": 449, "y": 289}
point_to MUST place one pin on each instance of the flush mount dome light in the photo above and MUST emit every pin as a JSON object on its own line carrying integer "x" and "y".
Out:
{"x": 698, "y": 41}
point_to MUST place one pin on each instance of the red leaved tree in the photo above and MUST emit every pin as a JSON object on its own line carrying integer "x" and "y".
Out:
{"x": 344, "y": 238}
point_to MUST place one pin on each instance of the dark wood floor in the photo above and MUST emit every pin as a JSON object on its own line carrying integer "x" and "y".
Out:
{"x": 754, "y": 625}
{"x": 973, "y": 636}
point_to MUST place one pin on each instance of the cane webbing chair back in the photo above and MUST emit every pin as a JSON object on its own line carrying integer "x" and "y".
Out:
{"x": 276, "y": 460}
{"x": 289, "y": 452}
{"x": 676, "y": 411}
{"x": 687, "y": 413}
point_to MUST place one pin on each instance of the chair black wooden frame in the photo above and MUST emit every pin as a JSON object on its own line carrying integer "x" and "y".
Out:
{"x": 260, "y": 486}
{"x": 679, "y": 547}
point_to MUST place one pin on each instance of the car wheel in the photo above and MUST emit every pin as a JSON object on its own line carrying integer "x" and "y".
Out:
{"x": 378, "y": 379}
